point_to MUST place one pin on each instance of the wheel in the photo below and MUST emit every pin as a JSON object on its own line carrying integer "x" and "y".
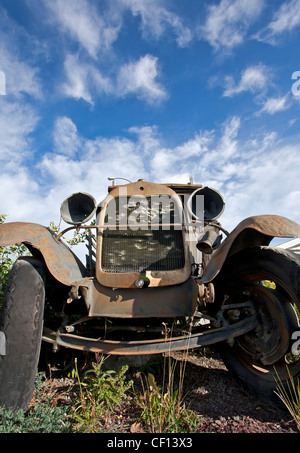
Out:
{"x": 270, "y": 279}
{"x": 21, "y": 322}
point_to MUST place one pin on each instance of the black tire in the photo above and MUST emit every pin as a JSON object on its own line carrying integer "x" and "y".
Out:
{"x": 263, "y": 355}
{"x": 22, "y": 323}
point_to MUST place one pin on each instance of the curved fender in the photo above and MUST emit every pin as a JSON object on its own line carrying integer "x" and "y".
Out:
{"x": 62, "y": 263}
{"x": 251, "y": 232}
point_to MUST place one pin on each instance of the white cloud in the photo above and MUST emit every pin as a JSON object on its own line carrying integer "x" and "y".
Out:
{"x": 256, "y": 176}
{"x": 257, "y": 80}
{"x": 285, "y": 19}
{"x": 253, "y": 79}
{"x": 21, "y": 77}
{"x": 80, "y": 20}
{"x": 228, "y": 142}
{"x": 156, "y": 20}
{"x": 199, "y": 156}
{"x": 140, "y": 78}
{"x": 227, "y": 23}
{"x": 275, "y": 104}
{"x": 20, "y": 192}
{"x": 88, "y": 171}
{"x": 22, "y": 199}
{"x": 269, "y": 180}
{"x": 76, "y": 85}
{"x": 83, "y": 80}
{"x": 65, "y": 137}
{"x": 17, "y": 121}
{"x": 96, "y": 26}
{"x": 148, "y": 140}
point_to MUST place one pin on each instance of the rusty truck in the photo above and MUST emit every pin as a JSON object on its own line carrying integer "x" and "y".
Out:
{"x": 161, "y": 274}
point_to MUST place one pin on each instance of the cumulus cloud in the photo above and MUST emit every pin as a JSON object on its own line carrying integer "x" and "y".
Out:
{"x": 266, "y": 183}
{"x": 23, "y": 199}
{"x": 88, "y": 172}
{"x": 257, "y": 175}
{"x": 76, "y": 85}
{"x": 227, "y": 22}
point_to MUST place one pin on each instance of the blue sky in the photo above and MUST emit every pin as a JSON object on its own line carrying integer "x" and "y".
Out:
{"x": 153, "y": 89}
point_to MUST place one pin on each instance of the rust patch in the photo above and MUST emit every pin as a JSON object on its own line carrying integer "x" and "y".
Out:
{"x": 174, "y": 301}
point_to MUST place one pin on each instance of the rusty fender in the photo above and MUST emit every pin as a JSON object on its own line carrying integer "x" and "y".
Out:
{"x": 61, "y": 262}
{"x": 252, "y": 232}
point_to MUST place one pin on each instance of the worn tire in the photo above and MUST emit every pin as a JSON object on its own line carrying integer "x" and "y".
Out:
{"x": 276, "y": 316}
{"x": 22, "y": 323}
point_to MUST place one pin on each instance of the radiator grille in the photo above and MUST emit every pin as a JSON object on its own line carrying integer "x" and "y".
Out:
{"x": 138, "y": 251}
{"x": 130, "y": 250}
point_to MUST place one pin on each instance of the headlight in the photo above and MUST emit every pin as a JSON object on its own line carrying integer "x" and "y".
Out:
{"x": 213, "y": 207}
{"x": 78, "y": 208}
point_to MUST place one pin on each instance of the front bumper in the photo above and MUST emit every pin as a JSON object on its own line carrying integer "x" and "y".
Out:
{"x": 154, "y": 346}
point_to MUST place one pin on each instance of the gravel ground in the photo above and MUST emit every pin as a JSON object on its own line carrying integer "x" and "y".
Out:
{"x": 225, "y": 406}
{"x": 212, "y": 393}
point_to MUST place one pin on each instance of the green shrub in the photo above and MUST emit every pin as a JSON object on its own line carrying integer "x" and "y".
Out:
{"x": 41, "y": 418}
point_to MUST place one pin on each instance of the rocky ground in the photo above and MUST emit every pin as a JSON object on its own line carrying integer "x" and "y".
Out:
{"x": 222, "y": 404}
{"x": 225, "y": 406}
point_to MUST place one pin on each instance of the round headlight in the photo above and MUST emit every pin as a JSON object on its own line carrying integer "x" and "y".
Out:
{"x": 213, "y": 205}
{"x": 78, "y": 208}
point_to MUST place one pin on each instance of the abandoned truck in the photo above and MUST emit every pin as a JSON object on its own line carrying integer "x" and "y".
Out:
{"x": 161, "y": 275}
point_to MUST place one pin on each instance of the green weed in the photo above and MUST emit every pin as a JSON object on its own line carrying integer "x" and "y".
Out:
{"x": 99, "y": 392}
{"x": 290, "y": 396}
{"x": 163, "y": 408}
